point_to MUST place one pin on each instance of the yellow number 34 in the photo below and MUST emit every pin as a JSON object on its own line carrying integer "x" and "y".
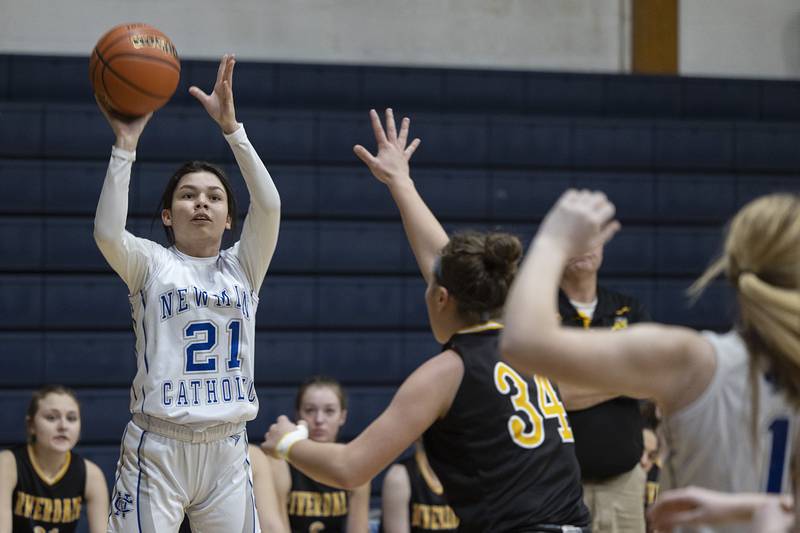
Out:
{"x": 547, "y": 399}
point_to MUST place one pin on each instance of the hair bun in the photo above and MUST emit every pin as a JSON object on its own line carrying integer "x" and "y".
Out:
{"x": 502, "y": 253}
{"x": 478, "y": 268}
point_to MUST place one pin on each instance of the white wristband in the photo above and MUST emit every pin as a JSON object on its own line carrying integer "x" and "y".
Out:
{"x": 288, "y": 440}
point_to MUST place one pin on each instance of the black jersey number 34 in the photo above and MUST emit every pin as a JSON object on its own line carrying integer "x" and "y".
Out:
{"x": 530, "y": 433}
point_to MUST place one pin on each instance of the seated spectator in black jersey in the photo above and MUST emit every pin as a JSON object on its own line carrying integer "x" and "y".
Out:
{"x": 412, "y": 498}
{"x": 651, "y": 456}
{"x": 306, "y": 504}
{"x": 608, "y": 432}
{"x": 651, "y": 464}
{"x": 44, "y": 484}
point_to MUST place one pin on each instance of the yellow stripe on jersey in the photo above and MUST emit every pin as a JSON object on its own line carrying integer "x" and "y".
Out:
{"x": 486, "y": 326}
{"x": 47, "y": 479}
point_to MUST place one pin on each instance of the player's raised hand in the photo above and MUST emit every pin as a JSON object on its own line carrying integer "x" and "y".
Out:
{"x": 580, "y": 221}
{"x": 127, "y": 130}
{"x": 390, "y": 164}
{"x": 219, "y": 104}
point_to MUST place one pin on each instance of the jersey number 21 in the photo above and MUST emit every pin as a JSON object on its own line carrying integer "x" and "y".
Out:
{"x": 199, "y": 353}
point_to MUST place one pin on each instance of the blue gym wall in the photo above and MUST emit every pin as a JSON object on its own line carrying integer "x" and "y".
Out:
{"x": 342, "y": 296}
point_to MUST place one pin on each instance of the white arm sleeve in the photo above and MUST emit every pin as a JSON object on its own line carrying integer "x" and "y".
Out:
{"x": 260, "y": 229}
{"x": 129, "y": 256}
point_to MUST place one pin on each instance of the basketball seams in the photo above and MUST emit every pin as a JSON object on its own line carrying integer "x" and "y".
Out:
{"x": 131, "y": 84}
{"x": 93, "y": 66}
{"x": 106, "y": 94}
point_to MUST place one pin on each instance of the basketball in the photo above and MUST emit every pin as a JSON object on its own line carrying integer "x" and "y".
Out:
{"x": 134, "y": 69}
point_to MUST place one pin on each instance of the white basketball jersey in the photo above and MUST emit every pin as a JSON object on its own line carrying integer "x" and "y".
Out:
{"x": 710, "y": 442}
{"x": 194, "y": 320}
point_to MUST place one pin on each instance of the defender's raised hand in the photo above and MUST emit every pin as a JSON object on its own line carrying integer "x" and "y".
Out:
{"x": 219, "y": 104}
{"x": 580, "y": 221}
{"x": 390, "y": 164}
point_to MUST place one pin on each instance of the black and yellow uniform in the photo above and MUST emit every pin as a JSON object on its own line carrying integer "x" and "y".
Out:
{"x": 43, "y": 505}
{"x": 315, "y": 507}
{"x": 602, "y": 453}
{"x": 653, "y": 484}
{"x": 427, "y": 506}
{"x": 504, "y": 451}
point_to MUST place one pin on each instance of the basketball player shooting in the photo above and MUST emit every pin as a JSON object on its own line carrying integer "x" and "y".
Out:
{"x": 185, "y": 449}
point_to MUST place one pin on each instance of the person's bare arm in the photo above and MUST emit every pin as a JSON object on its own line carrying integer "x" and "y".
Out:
{"x": 8, "y": 480}
{"x": 270, "y": 514}
{"x": 358, "y": 511}
{"x": 390, "y": 166}
{"x": 672, "y": 365}
{"x": 282, "y": 481}
{"x": 697, "y": 506}
{"x": 424, "y": 397}
{"x": 576, "y": 397}
{"x": 97, "y": 502}
{"x": 775, "y": 516}
{"x": 395, "y": 496}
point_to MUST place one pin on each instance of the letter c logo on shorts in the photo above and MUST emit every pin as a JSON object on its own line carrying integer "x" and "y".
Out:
{"x": 123, "y": 504}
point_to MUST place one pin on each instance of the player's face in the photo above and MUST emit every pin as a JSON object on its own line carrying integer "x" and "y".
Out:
{"x": 650, "y": 452}
{"x": 199, "y": 211}
{"x": 57, "y": 423}
{"x": 321, "y": 409}
{"x": 587, "y": 263}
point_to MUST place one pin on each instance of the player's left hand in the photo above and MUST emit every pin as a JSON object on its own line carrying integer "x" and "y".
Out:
{"x": 281, "y": 427}
{"x": 580, "y": 221}
{"x": 219, "y": 104}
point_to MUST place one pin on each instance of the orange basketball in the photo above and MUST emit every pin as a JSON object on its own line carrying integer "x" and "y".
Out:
{"x": 134, "y": 69}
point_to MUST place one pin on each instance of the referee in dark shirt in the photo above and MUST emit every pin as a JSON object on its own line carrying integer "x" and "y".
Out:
{"x": 608, "y": 435}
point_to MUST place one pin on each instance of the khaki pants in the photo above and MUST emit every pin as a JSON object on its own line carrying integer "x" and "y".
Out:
{"x": 617, "y": 505}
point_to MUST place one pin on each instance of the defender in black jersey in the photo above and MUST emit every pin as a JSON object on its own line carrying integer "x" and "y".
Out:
{"x": 507, "y": 459}
{"x": 43, "y": 484}
{"x": 499, "y": 441}
{"x": 412, "y": 498}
